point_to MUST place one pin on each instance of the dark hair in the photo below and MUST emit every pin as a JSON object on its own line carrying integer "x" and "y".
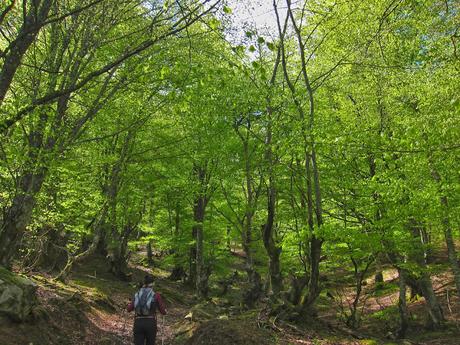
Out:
{"x": 148, "y": 279}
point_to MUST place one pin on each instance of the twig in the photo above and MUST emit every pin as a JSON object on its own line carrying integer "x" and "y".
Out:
{"x": 448, "y": 301}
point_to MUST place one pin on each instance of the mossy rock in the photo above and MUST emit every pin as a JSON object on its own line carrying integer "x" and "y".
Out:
{"x": 17, "y": 296}
{"x": 205, "y": 311}
{"x": 229, "y": 332}
{"x": 185, "y": 329}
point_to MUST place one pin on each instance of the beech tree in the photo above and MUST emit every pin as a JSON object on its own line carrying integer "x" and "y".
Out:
{"x": 329, "y": 144}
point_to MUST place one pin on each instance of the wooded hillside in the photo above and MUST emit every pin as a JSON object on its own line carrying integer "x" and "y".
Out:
{"x": 297, "y": 164}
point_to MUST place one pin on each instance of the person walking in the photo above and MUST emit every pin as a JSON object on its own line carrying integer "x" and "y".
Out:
{"x": 145, "y": 304}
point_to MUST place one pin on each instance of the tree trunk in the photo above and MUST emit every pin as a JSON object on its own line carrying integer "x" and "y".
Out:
{"x": 435, "y": 312}
{"x": 119, "y": 257}
{"x": 192, "y": 260}
{"x": 199, "y": 210}
{"x": 434, "y": 308}
{"x": 297, "y": 284}
{"x": 149, "y": 253}
{"x": 118, "y": 264}
{"x": 312, "y": 173}
{"x": 248, "y": 259}
{"x": 91, "y": 249}
{"x": 354, "y": 318}
{"x": 402, "y": 305}
{"x": 178, "y": 272}
{"x": 268, "y": 232}
{"x": 451, "y": 251}
{"x": 200, "y": 270}
{"x": 315, "y": 243}
{"x": 177, "y": 220}
{"x": 313, "y": 284}
{"x": 254, "y": 290}
{"x": 276, "y": 282}
{"x": 18, "y": 215}
{"x": 5, "y": 10}
{"x": 48, "y": 250}
{"x": 33, "y": 21}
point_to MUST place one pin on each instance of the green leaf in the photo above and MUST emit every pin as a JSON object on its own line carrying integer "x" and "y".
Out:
{"x": 270, "y": 46}
{"x": 214, "y": 23}
{"x": 164, "y": 72}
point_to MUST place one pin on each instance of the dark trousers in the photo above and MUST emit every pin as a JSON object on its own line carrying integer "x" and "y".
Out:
{"x": 145, "y": 331}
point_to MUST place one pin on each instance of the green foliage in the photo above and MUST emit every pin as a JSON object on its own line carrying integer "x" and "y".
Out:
{"x": 388, "y": 316}
{"x": 385, "y": 129}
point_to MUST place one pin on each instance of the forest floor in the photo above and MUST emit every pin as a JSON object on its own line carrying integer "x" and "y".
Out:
{"x": 90, "y": 309}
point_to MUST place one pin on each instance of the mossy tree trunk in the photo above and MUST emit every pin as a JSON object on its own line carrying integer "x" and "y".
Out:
{"x": 200, "y": 271}
{"x": 402, "y": 305}
{"x": 423, "y": 280}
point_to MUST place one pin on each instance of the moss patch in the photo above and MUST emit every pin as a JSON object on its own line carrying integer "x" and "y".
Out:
{"x": 383, "y": 289}
{"x": 226, "y": 332}
{"x": 12, "y": 278}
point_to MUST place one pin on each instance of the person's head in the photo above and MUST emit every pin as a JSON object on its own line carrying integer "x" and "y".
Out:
{"x": 148, "y": 279}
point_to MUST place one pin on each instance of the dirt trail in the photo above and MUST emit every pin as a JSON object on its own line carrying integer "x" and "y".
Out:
{"x": 121, "y": 322}
{"x": 91, "y": 309}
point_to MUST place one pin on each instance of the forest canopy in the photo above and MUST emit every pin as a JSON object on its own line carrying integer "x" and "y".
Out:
{"x": 326, "y": 142}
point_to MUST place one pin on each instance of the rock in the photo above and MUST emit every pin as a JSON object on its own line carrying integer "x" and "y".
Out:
{"x": 17, "y": 296}
{"x": 229, "y": 332}
{"x": 204, "y": 311}
{"x": 185, "y": 329}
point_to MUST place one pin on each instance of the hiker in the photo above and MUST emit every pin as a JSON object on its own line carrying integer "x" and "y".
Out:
{"x": 145, "y": 304}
